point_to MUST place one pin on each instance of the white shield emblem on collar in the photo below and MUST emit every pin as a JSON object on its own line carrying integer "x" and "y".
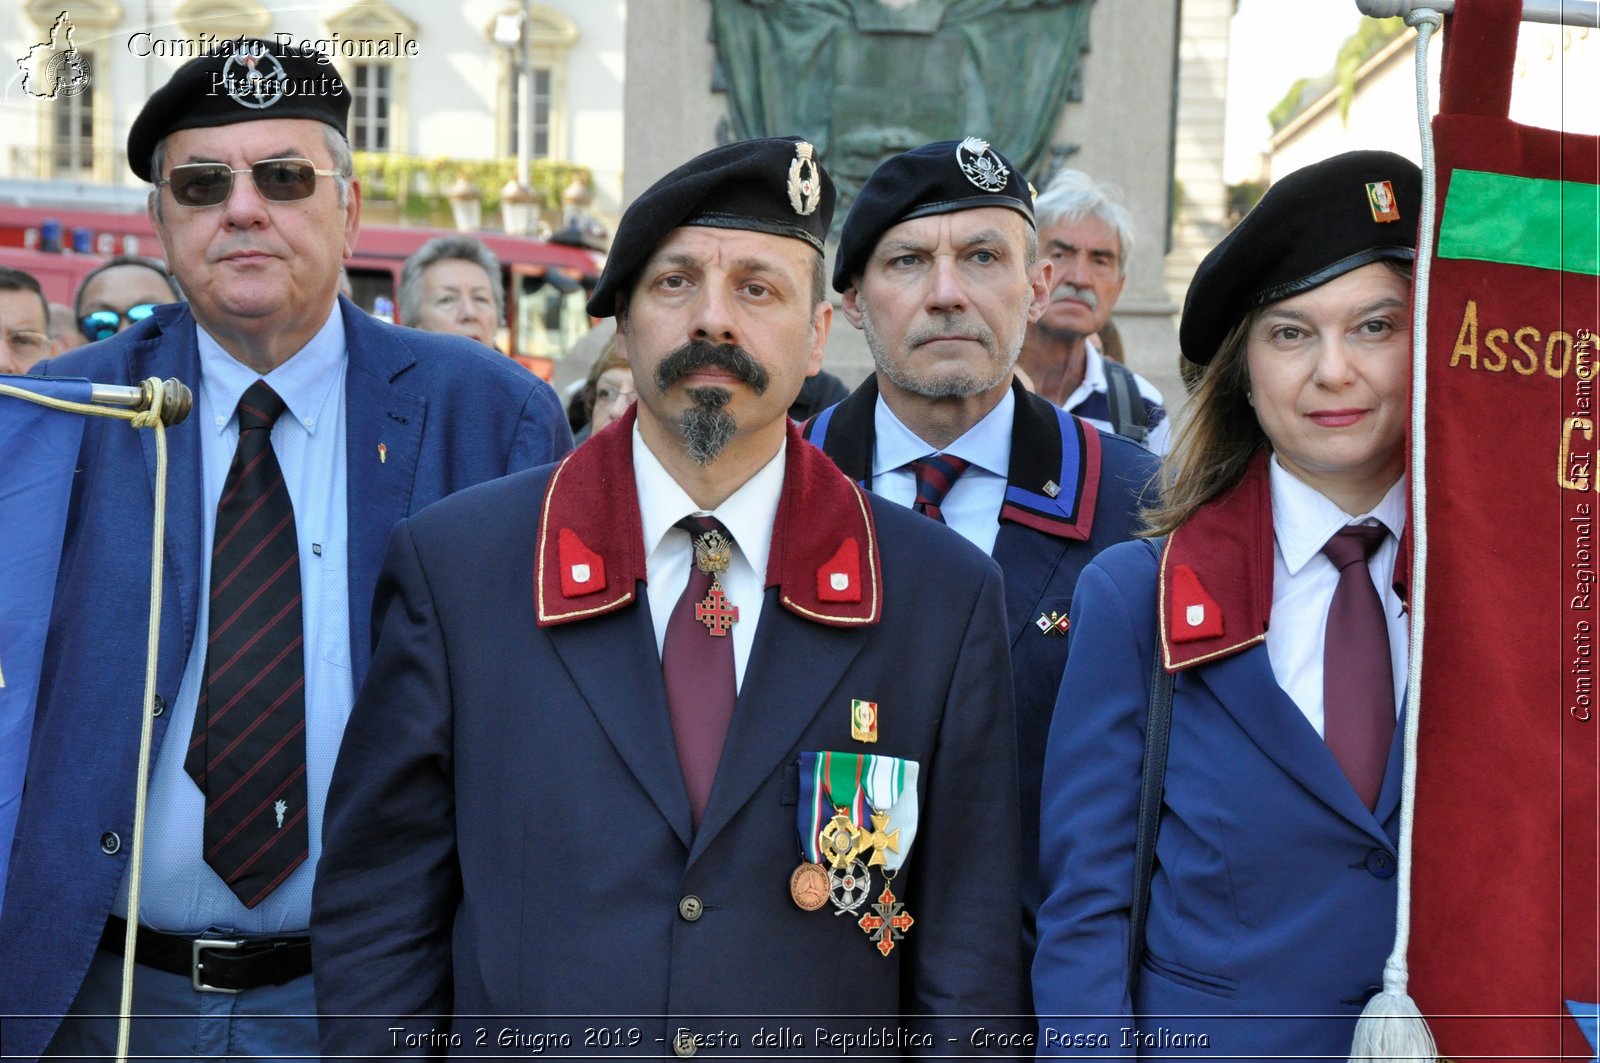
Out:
{"x": 580, "y": 573}
{"x": 1195, "y": 615}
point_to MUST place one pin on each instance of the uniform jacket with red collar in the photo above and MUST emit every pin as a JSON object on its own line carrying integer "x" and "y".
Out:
{"x": 508, "y": 832}
{"x": 1072, "y": 491}
{"x": 1274, "y": 891}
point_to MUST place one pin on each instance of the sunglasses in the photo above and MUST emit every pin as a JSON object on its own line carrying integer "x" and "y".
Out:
{"x": 205, "y": 184}
{"x": 103, "y": 324}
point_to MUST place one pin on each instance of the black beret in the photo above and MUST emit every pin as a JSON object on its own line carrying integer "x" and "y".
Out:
{"x": 1318, "y": 223}
{"x": 769, "y": 186}
{"x": 938, "y": 178}
{"x": 241, "y": 80}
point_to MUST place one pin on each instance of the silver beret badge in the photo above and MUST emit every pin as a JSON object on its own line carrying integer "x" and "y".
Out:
{"x": 982, "y": 166}
{"x": 805, "y": 184}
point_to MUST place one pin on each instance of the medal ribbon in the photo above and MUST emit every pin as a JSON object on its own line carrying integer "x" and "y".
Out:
{"x": 890, "y": 785}
{"x": 829, "y": 781}
{"x": 845, "y": 772}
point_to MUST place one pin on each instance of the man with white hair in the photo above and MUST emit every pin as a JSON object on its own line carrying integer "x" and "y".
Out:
{"x": 1087, "y": 234}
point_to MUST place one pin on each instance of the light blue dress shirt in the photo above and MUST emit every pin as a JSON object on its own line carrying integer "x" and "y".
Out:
{"x": 180, "y": 893}
{"x": 972, "y": 507}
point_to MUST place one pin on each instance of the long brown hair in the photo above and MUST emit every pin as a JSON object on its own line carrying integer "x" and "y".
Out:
{"x": 1214, "y": 437}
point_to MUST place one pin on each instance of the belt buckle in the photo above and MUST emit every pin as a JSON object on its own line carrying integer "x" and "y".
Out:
{"x": 202, "y": 944}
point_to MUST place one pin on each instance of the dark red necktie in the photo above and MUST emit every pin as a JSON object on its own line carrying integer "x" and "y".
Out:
{"x": 248, "y": 752}
{"x": 1357, "y": 675}
{"x": 697, "y": 665}
{"x": 935, "y": 474}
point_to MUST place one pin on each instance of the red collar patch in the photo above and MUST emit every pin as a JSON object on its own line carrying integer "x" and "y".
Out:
{"x": 1230, "y": 541}
{"x": 1216, "y": 575}
{"x": 823, "y": 558}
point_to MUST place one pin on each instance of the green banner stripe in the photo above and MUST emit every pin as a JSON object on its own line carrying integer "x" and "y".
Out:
{"x": 1521, "y": 221}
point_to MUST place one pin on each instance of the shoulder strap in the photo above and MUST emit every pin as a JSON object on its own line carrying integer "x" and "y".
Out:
{"x": 1152, "y": 786}
{"x": 1129, "y": 417}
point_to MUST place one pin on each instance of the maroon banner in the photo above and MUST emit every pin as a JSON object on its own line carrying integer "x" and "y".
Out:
{"x": 1505, "y": 890}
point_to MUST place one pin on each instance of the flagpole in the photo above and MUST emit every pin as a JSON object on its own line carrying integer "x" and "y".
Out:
{"x": 1558, "y": 12}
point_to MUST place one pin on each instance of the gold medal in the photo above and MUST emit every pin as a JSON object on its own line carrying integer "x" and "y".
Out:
{"x": 879, "y": 841}
{"x": 841, "y": 840}
{"x": 808, "y": 886}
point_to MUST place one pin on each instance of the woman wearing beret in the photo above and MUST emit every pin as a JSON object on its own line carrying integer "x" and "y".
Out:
{"x": 1272, "y": 586}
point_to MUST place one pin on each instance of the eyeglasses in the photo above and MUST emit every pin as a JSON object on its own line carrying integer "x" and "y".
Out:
{"x": 103, "y": 324}
{"x": 604, "y": 396}
{"x": 205, "y": 184}
{"x": 25, "y": 341}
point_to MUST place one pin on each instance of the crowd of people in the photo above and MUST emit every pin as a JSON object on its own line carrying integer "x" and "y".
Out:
{"x": 726, "y": 725}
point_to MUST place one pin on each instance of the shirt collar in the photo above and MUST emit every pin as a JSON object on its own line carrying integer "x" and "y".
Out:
{"x": 748, "y": 513}
{"x": 1304, "y": 519}
{"x": 306, "y": 382}
{"x": 986, "y": 444}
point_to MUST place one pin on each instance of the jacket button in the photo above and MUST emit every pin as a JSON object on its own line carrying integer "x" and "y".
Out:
{"x": 159, "y": 706}
{"x": 683, "y": 1044}
{"x": 691, "y": 908}
{"x": 110, "y": 844}
{"x": 1380, "y": 863}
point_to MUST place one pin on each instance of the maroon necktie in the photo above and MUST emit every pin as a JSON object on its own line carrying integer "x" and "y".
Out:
{"x": 1357, "y": 675}
{"x": 935, "y": 474}
{"x": 248, "y": 752}
{"x": 697, "y": 665}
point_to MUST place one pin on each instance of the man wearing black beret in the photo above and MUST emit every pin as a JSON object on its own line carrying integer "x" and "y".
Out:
{"x": 680, "y": 736}
{"x": 939, "y": 265}
{"x": 315, "y": 428}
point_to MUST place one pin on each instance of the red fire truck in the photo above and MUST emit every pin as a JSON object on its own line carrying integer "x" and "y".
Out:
{"x": 546, "y": 285}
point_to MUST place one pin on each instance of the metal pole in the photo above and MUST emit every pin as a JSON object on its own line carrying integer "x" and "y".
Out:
{"x": 1557, "y": 12}
{"x": 178, "y": 398}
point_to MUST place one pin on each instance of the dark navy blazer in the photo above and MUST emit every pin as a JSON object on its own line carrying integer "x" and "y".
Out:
{"x": 508, "y": 832}
{"x": 450, "y": 413}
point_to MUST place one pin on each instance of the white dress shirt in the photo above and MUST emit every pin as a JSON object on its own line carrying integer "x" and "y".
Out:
{"x": 748, "y": 514}
{"x": 972, "y": 507}
{"x": 181, "y": 894}
{"x": 1303, "y": 582}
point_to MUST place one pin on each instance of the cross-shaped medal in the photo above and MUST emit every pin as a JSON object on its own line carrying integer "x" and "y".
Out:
{"x": 716, "y": 612}
{"x": 889, "y": 924}
{"x": 878, "y": 840}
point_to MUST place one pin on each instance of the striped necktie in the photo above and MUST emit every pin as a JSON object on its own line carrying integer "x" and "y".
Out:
{"x": 248, "y": 751}
{"x": 935, "y": 474}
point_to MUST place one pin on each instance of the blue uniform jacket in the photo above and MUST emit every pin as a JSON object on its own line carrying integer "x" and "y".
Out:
{"x": 1045, "y": 540}
{"x": 451, "y": 414}
{"x": 508, "y": 832}
{"x": 1273, "y": 901}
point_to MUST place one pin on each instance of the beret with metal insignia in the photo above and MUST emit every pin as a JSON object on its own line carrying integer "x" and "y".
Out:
{"x": 938, "y": 178}
{"x": 1318, "y": 223}
{"x": 772, "y": 186}
{"x": 241, "y": 80}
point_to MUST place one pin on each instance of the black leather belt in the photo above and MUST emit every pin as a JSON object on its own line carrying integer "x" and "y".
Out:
{"x": 216, "y": 964}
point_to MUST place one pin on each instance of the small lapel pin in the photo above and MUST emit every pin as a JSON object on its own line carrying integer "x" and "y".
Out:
{"x": 1051, "y": 489}
{"x": 383, "y": 453}
{"x": 863, "y": 720}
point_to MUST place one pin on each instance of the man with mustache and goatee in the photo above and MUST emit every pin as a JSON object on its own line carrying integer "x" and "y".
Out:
{"x": 1087, "y": 234}
{"x": 939, "y": 265}
{"x": 688, "y": 732}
